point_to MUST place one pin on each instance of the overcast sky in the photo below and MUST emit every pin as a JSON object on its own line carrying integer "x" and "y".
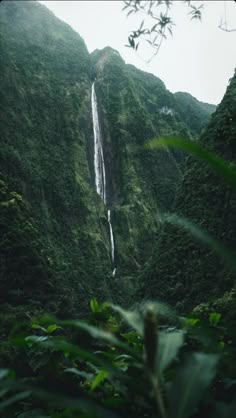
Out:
{"x": 199, "y": 58}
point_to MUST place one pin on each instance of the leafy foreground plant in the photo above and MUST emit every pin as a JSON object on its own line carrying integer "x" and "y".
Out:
{"x": 117, "y": 363}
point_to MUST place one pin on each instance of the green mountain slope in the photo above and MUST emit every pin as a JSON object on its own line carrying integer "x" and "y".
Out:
{"x": 134, "y": 107}
{"x": 137, "y": 185}
{"x": 185, "y": 272}
{"x": 46, "y": 159}
{"x": 46, "y": 129}
{"x": 171, "y": 114}
{"x": 195, "y": 114}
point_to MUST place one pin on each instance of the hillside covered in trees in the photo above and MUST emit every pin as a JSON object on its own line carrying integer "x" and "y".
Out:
{"x": 47, "y": 155}
{"x": 187, "y": 273}
{"x": 83, "y": 201}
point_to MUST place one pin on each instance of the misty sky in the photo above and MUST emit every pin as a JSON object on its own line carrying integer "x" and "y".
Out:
{"x": 198, "y": 59}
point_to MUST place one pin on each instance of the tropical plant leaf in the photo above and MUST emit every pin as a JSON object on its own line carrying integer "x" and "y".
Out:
{"x": 201, "y": 235}
{"x": 61, "y": 345}
{"x": 37, "y": 326}
{"x": 169, "y": 344}
{"x": 216, "y": 163}
{"x": 4, "y": 373}
{"x": 133, "y": 318}
{"x": 100, "y": 335}
{"x": 15, "y": 398}
{"x": 36, "y": 339}
{"x": 214, "y": 318}
{"x": 191, "y": 322}
{"x": 94, "y": 306}
{"x": 51, "y": 328}
{"x": 190, "y": 383}
{"x": 80, "y": 373}
{"x": 60, "y": 400}
{"x": 161, "y": 309}
{"x": 100, "y": 377}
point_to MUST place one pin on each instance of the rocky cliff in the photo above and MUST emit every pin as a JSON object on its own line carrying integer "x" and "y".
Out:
{"x": 54, "y": 221}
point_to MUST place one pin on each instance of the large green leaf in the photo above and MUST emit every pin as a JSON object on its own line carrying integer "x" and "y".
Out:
{"x": 169, "y": 344}
{"x": 201, "y": 235}
{"x": 94, "y": 306}
{"x": 53, "y": 327}
{"x": 80, "y": 373}
{"x": 15, "y": 398}
{"x": 53, "y": 398}
{"x": 99, "y": 378}
{"x": 190, "y": 383}
{"x": 60, "y": 344}
{"x": 160, "y": 309}
{"x": 214, "y": 318}
{"x": 4, "y": 373}
{"x": 133, "y": 318}
{"x": 100, "y": 335}
{"x": 216, "y": 163}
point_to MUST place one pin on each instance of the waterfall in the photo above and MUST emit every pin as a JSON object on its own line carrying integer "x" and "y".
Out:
{"x": 99, "y": 169}
{"x": 99, "y": 166}
{"x": 111, "y": 236}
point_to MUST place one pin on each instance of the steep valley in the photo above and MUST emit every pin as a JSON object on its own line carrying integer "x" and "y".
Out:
{"x": 117, "y": 228}
{"x": 56, "y": 240}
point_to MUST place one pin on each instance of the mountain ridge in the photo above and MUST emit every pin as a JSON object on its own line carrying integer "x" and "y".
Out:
{"x": 185, "y": 272}
{"x": 46, "y": 74}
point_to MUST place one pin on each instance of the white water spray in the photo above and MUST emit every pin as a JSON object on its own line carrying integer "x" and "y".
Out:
{"x": 99, "y": 166}
{"x": 99, "y": 169}
{"x": 111, "y": 236}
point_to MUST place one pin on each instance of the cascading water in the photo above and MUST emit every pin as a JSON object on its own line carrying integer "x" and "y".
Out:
{"x": 99, "y": 166}
{"x": 111, "y": 241}
{"x": 99, "y": 169}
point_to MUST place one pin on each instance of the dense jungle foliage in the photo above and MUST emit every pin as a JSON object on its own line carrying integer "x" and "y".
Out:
{"x": 46, "y": 75}
{"x": 185, "y": 272}
{"x": 117, "y": 363}
{"x": 60, "y": 355}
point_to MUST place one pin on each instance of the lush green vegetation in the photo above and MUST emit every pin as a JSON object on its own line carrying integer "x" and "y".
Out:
{"x": 23, "y": 266}
{"x": 184, "y": 271}
{"x": 116, "y": 363}
{"x": 46, "y": 139}
{"x": 54, "y": 242}
{"x": 46, "y": 157}
{"x": 135, "y": 106}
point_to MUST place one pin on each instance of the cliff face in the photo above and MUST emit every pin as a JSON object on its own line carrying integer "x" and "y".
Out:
{"x": 134, "y": 107}
{"x": 194, "y": 114}
{"x": 185, "y": 272}
{"x": 46, "y": 136}
{"x": 137, "y": 185}
{"x": 46, "y": 160}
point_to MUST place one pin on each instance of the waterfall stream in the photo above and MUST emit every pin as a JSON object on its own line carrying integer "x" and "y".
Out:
{"x": 99, "y": 166}
{"x": 99, "y": 169}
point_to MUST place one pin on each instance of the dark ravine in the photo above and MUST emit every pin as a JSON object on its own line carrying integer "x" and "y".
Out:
{"x": 47, "y": 161}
